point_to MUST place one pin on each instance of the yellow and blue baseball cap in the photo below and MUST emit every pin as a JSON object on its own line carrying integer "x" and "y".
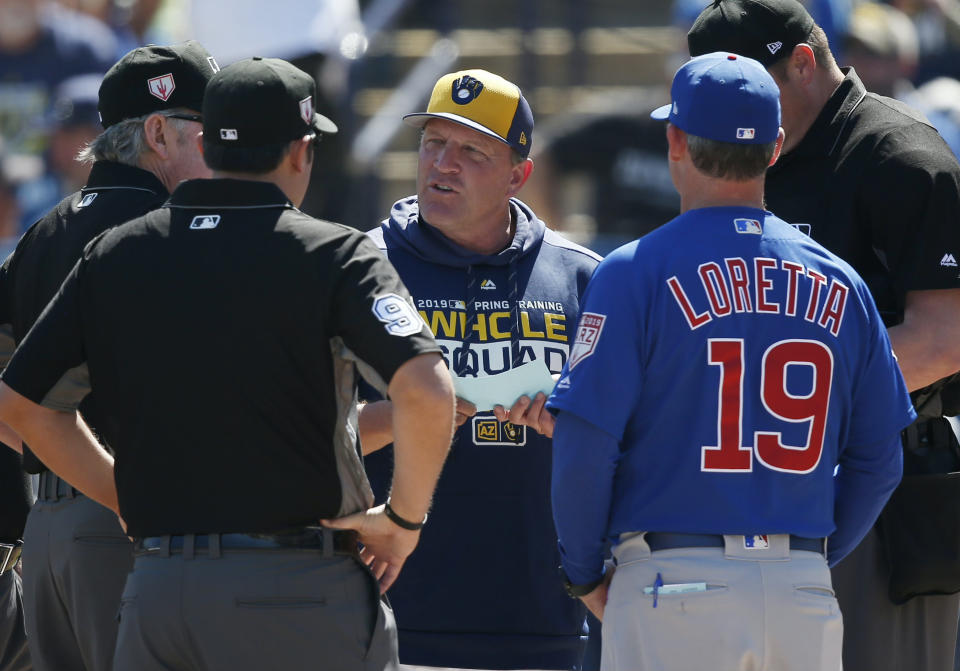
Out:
{"x": 724, "y": 97}
{"x": 484, "y": 102}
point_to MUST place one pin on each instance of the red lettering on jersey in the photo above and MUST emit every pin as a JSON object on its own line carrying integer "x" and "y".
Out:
{"x": 729, "y": 456}
{"x": 740, "y": 283}
{"x": 763, "y": 284}
{"x": 815, "y": 286}
{"x": 694, "y": 320}
{"x": 814, "y": 407}
{"x": 793, "y": 270}
{"x": 716, "y": 287}
{"x": 834, "y": 306}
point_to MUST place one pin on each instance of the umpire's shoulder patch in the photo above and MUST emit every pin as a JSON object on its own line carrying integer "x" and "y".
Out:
{"x": 588, "y": 333}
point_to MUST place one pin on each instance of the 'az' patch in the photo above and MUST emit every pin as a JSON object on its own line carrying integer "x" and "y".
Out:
{"x": 488, "y": 431}
{"x": 588, "y": 333}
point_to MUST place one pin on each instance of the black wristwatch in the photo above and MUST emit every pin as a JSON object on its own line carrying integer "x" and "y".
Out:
{"x": 400, "y": 521}
{"x": 577, "y": 591}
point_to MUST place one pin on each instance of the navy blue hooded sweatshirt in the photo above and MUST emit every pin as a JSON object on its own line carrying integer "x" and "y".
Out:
{"x": 482, "y": 589}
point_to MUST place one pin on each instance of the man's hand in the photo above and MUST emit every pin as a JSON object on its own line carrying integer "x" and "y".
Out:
{"x": 386, "y": 545}
{"x": 528, "y": 413}
{"x": 596, "y": 601}
{"x": 465, "y": 410}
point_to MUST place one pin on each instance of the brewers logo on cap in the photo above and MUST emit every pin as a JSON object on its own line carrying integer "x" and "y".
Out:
{"x": 466, "y": 89}
{"x": 484, "y": 102}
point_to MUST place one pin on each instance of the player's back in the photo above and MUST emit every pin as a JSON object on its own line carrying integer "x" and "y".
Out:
{"x": 763, "y": 336}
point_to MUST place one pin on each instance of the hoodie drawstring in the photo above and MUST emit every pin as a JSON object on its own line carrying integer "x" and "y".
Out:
{"x": 463, "y": 365}
{"x": 514, "y": 299}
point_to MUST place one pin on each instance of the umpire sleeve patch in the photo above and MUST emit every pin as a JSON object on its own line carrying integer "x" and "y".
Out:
{"x": 397, "y": 315}
{"x": 588, "y": 333}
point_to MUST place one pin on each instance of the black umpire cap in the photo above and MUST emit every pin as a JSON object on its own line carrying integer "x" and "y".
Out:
{"x": 154, "y": 78}
{"x": 764, "y": 30}
{"x": 259, "y": 102}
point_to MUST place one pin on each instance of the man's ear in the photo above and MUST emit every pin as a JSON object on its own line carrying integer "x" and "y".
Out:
{"x": 301, "y": 154}
{"x": 802, "y": 64}
{"x": 158, "y": 134}
{"x": 677, "y": 143}
{"x": 519, "y": 175}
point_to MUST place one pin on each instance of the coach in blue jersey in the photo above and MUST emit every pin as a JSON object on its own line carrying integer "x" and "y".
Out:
{"x": 498, "y": 290}
{"x": 769, "y": 352}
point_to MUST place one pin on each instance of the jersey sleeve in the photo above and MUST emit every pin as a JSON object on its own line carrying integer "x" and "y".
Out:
{"x": 913, "y": 204}
{"x": 605, "y": 350}
{"x": 373, "y": 311}
{"x": 881, "y": 405}
{"x": 54, "y": 344}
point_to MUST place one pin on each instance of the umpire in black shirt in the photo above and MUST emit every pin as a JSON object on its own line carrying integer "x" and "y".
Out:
{"x": 224, "y": 332}
{"x": 75, "y": 556}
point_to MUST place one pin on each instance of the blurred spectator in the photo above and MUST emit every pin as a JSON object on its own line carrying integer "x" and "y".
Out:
{"x": 73, "y": 121}
{"x": 9, "y": 214}
{"x": 40, "y": 46}
{"x": 130, "y": 20}
{"x": 939, "y": 99}
{"x": 937, "y": 23}
{"x": 881, "y": 45}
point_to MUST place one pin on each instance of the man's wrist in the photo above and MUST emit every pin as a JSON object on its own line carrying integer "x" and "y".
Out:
{"x": 576, "y": 591}
{"x": 402, "y": 522}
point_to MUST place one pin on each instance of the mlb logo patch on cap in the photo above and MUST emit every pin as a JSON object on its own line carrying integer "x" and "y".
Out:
{"x": 751, "y": 226}
{"x": 746, "y": 133}
{"x": 757, "y": 542}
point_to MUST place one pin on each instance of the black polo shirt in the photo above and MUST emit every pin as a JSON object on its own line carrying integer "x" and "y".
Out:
{"x": 31, "y": 276}
{"x": 224, "y": 332}
{"x": 875, "y": 183}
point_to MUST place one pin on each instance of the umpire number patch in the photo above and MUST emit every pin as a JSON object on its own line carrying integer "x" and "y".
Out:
{"x": 588, "y": 333}
{"x": 398, "y": 316}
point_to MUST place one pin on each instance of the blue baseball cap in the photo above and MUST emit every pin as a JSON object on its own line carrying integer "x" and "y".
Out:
{"x": 724, "y": 97}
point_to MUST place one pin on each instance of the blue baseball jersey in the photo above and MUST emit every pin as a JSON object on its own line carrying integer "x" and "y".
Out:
{"x": 736, "y": 363}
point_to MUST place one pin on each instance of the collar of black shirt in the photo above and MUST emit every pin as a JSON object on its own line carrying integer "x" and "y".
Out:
{"x": 228, "y": 194}
{"x": 105, "y": 174}
{"x": 822, "y": 137}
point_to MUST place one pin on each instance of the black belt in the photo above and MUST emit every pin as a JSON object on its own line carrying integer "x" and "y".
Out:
{"x": 302, "y": 538}
{"x": 53, "y": 488}
{"x": 659, "y": 540}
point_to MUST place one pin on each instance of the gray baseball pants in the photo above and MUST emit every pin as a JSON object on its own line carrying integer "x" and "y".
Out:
{"x": 14, "y": 655}
{"x": 919, "y": 635}
{"x": 216, "y": 609}
{"x": 767, "y": 609}
{"x": 75, "y": 561}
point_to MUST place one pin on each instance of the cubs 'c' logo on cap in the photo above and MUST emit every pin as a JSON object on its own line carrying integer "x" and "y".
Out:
{"x": 466, "y": 89}
{"x": 306, "y": 110}
{"x": 162, "y": 87}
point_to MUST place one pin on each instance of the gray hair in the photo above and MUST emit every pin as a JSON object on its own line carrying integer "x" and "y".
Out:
{"x": 726, "y": 160}
{"x": 124, "y": 142}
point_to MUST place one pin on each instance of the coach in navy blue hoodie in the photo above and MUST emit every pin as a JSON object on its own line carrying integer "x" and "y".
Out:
{"x": 499, "y": 290}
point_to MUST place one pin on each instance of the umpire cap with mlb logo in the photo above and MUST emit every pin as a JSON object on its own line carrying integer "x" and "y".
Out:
{"x": 155, "y": 78}
{"x": 259, "y": 102}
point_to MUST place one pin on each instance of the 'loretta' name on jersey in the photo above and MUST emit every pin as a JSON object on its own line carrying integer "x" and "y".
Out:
{"x": 730, "y": 287}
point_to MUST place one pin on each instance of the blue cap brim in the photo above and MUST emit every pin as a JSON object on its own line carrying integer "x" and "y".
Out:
{"x": 661, "y": 113}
